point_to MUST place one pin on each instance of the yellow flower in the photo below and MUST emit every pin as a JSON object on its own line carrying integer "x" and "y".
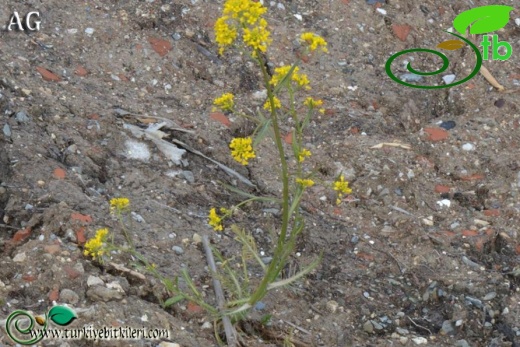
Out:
{"x": 305, "y": 182}
{"x": 95, "y": 246}
{"x": 225, "y": 102}
{"x": 280, "y": 72}
{"x": 257, "y": 37}
{"x": 312, "y": 103}
{"x": 214, "y": 220}
{"x": 242, "y": 149}
{"x": 341, "y": 186}
{"x": 277, "y": 103}
{"x": 314, "y": 41}
{"x": 304, "y": 153}
{"x": 246, "y": 11}
{"x": 225, "y": 35}
{"x": 119, "y": 204}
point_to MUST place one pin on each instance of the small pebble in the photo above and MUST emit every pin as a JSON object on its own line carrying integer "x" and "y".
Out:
{"x": 447, "y": 328}
{"x": 89, "y": 31}
{"x": 332, "y": 306}
{"x": 94, "y": 281}
{"x": 500, "y": 103}
{"x": 7, "y": 130}
{"x": 206, "y": 326}
{"x": 20, "y": 257}
{"x": 176, "y": 36}
{"x": 419, "y": 340}
{"x": 489, "y": 296}
{"x": 22, "y": 117}
{"x": 368, "y": 327}
{"x": 448, "y": 125}
{"x": 178, "y": 250}
{"x": 259, "y": 306}
{"x": 462, "y": 343}
{"x": 468, "y": 147}
{"x": 69, "y": 296}
{"x": 197, "y": 239}
{"x": 411, "y": 77}
{"x": 448, "y": 78}
{"x": 188, "y": 176}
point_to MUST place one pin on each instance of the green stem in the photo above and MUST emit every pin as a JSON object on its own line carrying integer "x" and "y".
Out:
{"x": 275, "y": 266}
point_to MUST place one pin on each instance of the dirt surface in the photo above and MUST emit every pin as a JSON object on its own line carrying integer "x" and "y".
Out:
{"x": 399, "y": 268}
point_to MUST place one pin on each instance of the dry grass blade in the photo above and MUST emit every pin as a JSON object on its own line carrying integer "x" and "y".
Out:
{"x": 489, "y": 77}
{"x": 391, "y": 144}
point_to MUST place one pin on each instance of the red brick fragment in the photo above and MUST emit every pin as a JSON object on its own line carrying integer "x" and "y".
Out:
{"x": 47, "y": 75}
{"x": 160, "y": 46}
{"x": 436, "y": 134}
{"x": 401, "y": 31}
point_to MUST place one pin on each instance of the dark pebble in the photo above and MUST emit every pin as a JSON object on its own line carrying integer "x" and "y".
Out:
{"x": 448, "y": 125}
{"x": 500, "y": 103}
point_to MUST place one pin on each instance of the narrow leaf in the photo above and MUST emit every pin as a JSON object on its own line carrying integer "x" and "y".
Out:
{"x": 451, "y": 45}
{"x": 483, "y": 19}
{"x": 173, "y": 300}
{"x": 264, "y": 129}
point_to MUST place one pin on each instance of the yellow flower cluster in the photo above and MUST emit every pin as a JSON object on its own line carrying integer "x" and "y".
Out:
{"x": 305, "y": 182}
{"x": 95, "y": 246}
{"x": 225, "y": 102}
{"x": 314, "y": 41}
{"x": 341, "y": 186}
{"x": 244, "y": 15}
{"x": 304, "y": 153}
{"x": 276, "y": 101}
{"x": 242, "y": 149}
{"x": 214, "y": 220}
{"x": 300, "y": 79}
{"x": 119, "y": 204}
{"x": 312, "y": 103}
{"x": 225, "y": 34}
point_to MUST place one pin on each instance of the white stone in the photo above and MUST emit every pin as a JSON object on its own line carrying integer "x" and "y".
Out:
{"x": 419, "y": 340}
{"x": 94, "y": 281}
{"x": 20, "y": 257}
{"x": 448, "y": 78}
{"x": 444, "y": 203}
{"x": 468, "y": 147}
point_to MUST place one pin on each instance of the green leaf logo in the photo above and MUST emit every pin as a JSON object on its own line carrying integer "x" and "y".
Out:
{"x": 482, "y": 20}
{"x": 62, "y": 315}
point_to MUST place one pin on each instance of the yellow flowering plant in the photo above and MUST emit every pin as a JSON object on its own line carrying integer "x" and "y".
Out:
{"x": 243, "y": 26}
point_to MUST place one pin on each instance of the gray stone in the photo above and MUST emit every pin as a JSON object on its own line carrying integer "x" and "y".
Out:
{"x": 447, "y": 328}
{"x": 368, "y": 327}
{"x": 178, "y": 250}
{"x": 188, "y": 176}
{"x": 462, "y": 343}
{"x": 69, "y": 296}
{"x": 99, "y": 293}
{"x": 94, "y": 281}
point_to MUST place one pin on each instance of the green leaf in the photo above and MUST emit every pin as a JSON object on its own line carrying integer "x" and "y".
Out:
{"x": 263, "y": 131}
{"x": 62, "y": 315}
{"x": 172, "y": 301}
{"x": 248, "y": 195}
{"x": 483, "y": 19}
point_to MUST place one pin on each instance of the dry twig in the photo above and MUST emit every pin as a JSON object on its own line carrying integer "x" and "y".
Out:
{"x": 231, "y": 337}
{"x": 489, "y": 77}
